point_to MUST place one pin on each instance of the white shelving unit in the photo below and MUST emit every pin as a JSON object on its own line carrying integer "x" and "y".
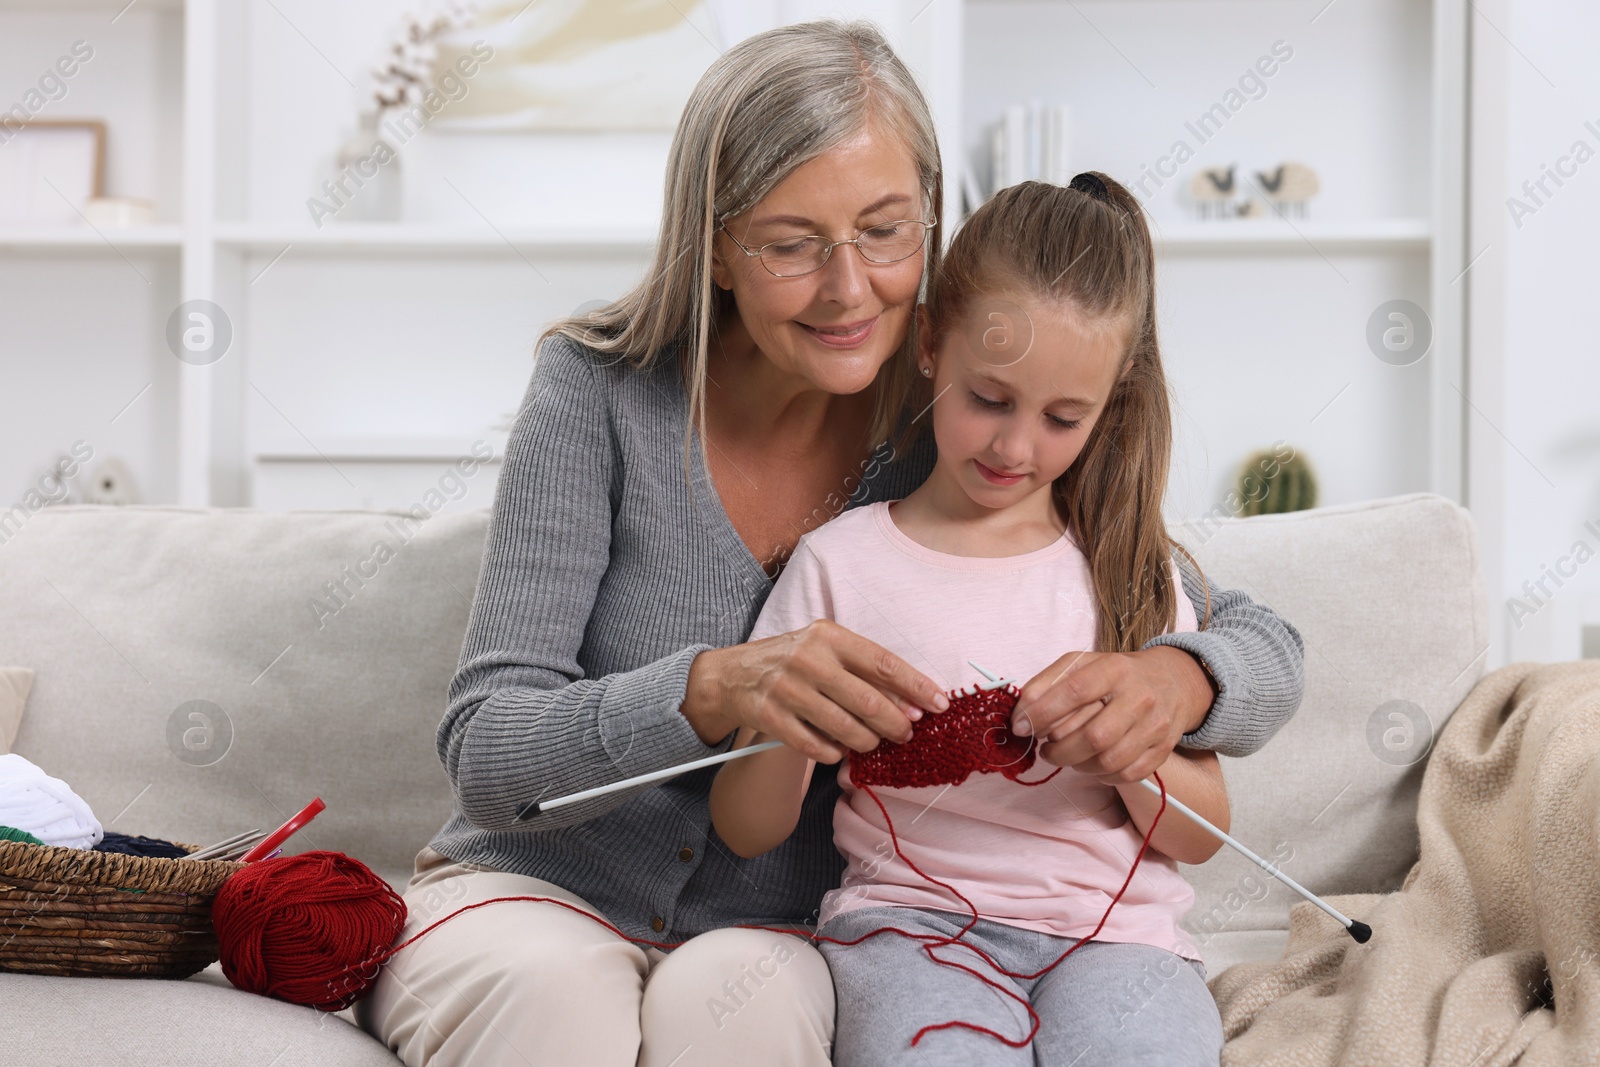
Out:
{"x": 1379, "y": 236}
{"x": 383, "y": 237}
{"x": 1264, "y": 322}
{"x": 81, "y": 353}
{"x": 364, "y": 354}
{"x": 52, "y": 239}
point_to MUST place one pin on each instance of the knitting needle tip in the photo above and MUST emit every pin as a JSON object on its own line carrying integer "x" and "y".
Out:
{"x": 1357, "y": 929}
{"x": 995, "y": 681}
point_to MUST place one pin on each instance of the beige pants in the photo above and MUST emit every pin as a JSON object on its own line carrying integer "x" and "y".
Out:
{"x": 531, "y": 984}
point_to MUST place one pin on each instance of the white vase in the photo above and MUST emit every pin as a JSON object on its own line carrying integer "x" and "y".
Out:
{"x": 367, "y": 175}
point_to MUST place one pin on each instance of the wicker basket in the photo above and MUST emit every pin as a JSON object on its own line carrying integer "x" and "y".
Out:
{"x": 70, "y": 911}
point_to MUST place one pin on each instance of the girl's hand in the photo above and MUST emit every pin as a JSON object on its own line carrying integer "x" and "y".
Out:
{"x": 756, "y": 801}
{"x": 822, "y": 690}
{"x": 1194, "y": 777}
{"x": 1116, "y": 716}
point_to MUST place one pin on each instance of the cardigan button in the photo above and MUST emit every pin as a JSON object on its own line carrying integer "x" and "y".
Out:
{"x": 686, "y": 853}
{"x": 658, "y": 924}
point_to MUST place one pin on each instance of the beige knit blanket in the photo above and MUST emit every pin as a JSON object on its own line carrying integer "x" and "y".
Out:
{"x": 1489, "y": 954}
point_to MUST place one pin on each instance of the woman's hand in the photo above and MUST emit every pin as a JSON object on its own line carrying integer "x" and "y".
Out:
{"x": 821, "y": 690}
{"x": 1116, "y": 716}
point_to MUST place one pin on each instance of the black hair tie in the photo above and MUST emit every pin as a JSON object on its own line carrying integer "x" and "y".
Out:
{"x": 1087, "y": 182}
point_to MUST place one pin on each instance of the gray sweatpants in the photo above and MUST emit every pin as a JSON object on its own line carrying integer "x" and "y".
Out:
{"x": 1107, "y": 1003}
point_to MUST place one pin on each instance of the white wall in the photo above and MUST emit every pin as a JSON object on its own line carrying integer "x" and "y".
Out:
{"x": 1536, "y": 435}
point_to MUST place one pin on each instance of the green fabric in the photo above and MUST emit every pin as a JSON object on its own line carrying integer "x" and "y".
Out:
{"x": 11, "y": 833}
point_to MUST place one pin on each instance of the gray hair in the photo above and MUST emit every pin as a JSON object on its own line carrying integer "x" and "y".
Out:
{"x": 770, "y": 104}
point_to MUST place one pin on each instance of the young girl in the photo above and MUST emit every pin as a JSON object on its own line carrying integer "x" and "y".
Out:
{"x": 1039, "y": 531}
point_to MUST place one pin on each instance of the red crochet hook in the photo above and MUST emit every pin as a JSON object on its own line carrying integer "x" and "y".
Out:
{"x": 284, "y": 832}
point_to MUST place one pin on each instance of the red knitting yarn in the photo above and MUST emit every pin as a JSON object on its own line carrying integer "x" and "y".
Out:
{"x": 315, "y": 928}
{"x": 972, "y": 735}
{"x": 299, "y": 928}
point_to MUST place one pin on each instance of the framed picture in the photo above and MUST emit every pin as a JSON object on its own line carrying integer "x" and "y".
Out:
{"x": 49, "y": 171}
{"x": 579, "y": 64}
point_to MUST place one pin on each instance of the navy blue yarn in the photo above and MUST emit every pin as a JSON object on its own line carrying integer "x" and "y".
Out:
{"x": 133, "y": 845}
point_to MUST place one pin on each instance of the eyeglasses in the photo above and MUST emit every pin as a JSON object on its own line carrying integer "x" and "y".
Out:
{"x": 792, "y": 257}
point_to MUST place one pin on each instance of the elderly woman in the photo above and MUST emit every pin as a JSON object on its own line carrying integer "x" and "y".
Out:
{"x": 776, "y": 332}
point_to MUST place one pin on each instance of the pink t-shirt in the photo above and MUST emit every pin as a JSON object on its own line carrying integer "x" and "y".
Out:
{"x": 1047, "y": 857}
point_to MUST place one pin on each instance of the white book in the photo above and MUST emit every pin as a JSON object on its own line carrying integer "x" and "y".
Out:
{"x": 1016, "y": 145}
{"x": 997, "y": 157}
{"x": 1059, "y": 159}
{"x": 1047, "y": 145}
{"x": 1034, "y": 167}
{"x": 972, "y": 193}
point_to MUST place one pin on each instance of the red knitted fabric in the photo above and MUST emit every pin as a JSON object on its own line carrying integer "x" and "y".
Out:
{"x": 972, "y": 735}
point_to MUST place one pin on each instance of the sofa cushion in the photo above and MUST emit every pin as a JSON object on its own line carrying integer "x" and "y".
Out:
{"x": 1226, "y": 947}
{"x": 1389, "y": 601}
{"x": 146, "y": 1022}
{"x": 205, "y": 671}
{"x": 15, "y": 683}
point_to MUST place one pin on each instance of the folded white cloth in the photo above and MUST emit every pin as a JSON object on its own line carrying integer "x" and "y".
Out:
{"x": 45, "y": 807}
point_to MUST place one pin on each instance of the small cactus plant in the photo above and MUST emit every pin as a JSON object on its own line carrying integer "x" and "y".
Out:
{"x": 1272, "y": 483}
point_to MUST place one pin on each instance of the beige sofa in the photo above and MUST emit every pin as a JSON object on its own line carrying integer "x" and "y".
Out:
{"x": 128, "y": 614}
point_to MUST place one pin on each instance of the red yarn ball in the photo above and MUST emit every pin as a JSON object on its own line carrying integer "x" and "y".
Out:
{"x": 311, "y": 929}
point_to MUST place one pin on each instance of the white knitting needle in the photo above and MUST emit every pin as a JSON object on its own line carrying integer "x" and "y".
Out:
{"x": 1358, "y": 930}
{"x": 534, "y": 807}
